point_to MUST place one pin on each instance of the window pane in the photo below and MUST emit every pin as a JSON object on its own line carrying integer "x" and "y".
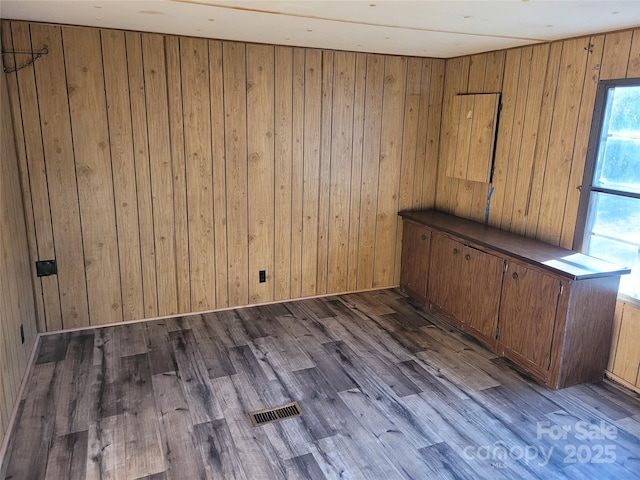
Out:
{"x": 613, "y": 234}
{"x": 619, "y": 167}
{"x": 618, "y": 158}
{"x": 624, "y": 114}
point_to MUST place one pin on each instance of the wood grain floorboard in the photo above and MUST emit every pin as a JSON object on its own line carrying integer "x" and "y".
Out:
{"x": 218, "y": 450}
{"x": 34, "y": 431}
{"x": 304, "y": 466}
{"x": 388, "y": 390}
{"x": 193, "y": 379}
{"x": 75, "y": 405}
{"x": 161, "y": 356}
{"x": 68, "y": 457}
{"x": 211, "y": 347}
{"x": 52, "y": 348}
{"x": 180, "y": 445}
{"x": 106, "y": 450}
{"x": 143, "y": 447}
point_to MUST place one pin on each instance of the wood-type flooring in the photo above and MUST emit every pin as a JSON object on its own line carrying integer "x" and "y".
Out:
{"x": 388, "y": 391}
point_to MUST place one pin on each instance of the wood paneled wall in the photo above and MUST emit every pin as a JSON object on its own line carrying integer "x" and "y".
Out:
{"x": 17, "y": 305}
{"x": 162, "y": 173}
{"x": 624, "y": 362}
{"x": 548, "y": 96}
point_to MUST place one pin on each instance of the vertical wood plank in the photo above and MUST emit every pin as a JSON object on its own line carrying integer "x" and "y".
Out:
{"x": 615, "y": 57}
{"x": 452, "y": 86}
{"x": 90, "y": 134}
{"x": 409, "y": 151}
{"x": 219, "y": 172}
{"x": 143, "y": 174}
{"x": 283, "y": 170}
{"x": 463, "y": 110}
{"x": 538, "y": 168}
{"x": 356, "y": 169}
{"x": 434, "y": 125}
{"x": 615, "y": 336}
{"x": 562, "y": 138}
{"x": 477, "y": 69}
{"x": 34, "y": 178}
{"x": 493, "y": 74}
{"x": 155, "y": 81}
{"x": 297, "y": 170}
{"x": 389, "y": 170}
{"x": 627, "y": 353}
{"x": 633, "y": 67}
{"x": 114, "y": 61}
{"x": 175, "y": 94}
{"x": 503, "y": 168}
{"x": 199, "y": 171}
{"x": 235, "y": 107}
{"x": 341, "y": 167}
{"x": 494, "y": 71}
{"x": 311, "y": 172}
{"x": 419, "y": 171}
{"x": 517, "y": 132}
{"x": 53, "y": 101}
{"x": 326, "y": 141}
{"x": 528, "y": 145}
{"x": 370, "y": 169}
{"x": 260, "y": 147}
{"x": 517, "y": 211}
{"x": 472, "y": 82}
{"x": 582, "y": 141}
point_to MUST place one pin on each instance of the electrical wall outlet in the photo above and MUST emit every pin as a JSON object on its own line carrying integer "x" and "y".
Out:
{"x": 262, "y": 276}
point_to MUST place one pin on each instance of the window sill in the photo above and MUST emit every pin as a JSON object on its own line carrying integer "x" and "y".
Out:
{"x": 629, "y": 300}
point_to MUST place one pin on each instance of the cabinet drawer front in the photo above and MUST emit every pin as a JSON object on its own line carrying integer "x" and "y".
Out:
{"x": 528, "y": 313}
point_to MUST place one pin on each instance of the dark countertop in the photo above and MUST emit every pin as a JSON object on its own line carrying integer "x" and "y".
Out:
{"x": 567, "y": 263}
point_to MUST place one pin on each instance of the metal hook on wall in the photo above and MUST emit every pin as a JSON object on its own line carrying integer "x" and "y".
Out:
{"x": 34, "y": 57}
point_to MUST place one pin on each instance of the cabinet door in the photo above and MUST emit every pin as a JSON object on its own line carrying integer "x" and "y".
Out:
{"x": 414, "y": 268}
{"x": 527, "y": 313}
{"x": 445, "y": 287}
{"x": 482, "y": 274}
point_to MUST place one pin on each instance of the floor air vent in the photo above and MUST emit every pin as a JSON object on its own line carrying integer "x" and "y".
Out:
{"x": 269, "y": 415}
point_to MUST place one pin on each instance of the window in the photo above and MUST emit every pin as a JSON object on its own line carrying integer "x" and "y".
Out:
{"x": 610, "y": 202}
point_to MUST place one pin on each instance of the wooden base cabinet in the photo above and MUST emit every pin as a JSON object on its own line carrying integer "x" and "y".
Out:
{"x": 548, "y": 309}
{"x": 529, "y": 304}
{"x": 465, "y": 283}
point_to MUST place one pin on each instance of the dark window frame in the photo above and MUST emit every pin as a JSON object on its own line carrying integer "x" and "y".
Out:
{"x": 586, "y": 188}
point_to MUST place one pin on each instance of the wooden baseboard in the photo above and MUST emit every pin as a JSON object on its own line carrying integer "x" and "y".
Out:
{"x": 621, "y": 381}
{"x": 14, "y": 411}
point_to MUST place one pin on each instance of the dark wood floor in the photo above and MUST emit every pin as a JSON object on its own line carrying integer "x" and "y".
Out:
{"x": 387, "y": 392}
